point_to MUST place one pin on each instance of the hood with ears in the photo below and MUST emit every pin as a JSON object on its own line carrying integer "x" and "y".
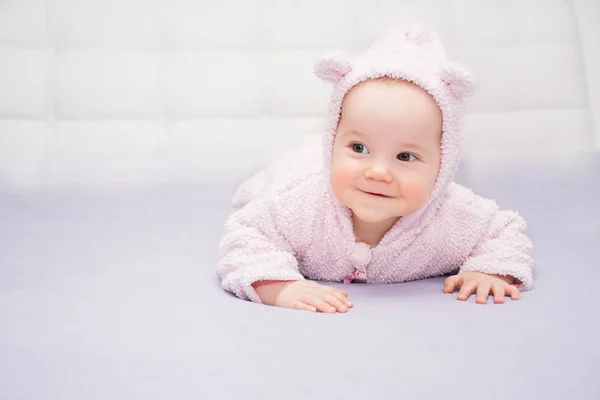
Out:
{"x": 412, "y": 53}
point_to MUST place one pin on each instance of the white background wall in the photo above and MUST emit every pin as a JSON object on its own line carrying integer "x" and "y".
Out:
{"x": 152, "y": 91}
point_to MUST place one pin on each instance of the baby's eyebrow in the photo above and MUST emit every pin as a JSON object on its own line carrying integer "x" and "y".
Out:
{"x": 412, "y": 146}
{"x": 354, "y": 132}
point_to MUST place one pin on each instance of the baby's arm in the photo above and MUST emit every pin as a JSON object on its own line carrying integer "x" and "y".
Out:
{"x": 500, "y": 263}
{"x": 258, "y": 263}
{"x": 253, "y": 249}
{"x": 504, "y": 250}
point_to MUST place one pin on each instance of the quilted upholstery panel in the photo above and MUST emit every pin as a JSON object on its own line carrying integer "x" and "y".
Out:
{"x": 154, "y": 91}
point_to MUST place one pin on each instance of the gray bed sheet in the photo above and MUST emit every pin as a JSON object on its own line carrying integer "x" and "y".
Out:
{"x": 114, "y": 295}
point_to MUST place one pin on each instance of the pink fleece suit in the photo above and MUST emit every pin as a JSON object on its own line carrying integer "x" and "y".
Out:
{"x": 288, "y": 225}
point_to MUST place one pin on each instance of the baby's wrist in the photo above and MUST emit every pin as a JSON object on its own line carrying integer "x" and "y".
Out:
{"x": 268, "y": 291}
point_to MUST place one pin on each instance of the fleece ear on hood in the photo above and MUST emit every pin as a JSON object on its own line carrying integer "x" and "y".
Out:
{"x": 413, "y": 53}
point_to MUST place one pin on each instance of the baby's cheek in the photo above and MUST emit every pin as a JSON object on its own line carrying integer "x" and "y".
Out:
{"x": 343, "y": 179}
{"x": 415, "y": 188}
{"x": 339, "y": 182}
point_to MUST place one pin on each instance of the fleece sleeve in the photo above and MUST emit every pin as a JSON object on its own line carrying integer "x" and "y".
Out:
{"x": 504, "y": 249}
{"x": 253, "y": 248}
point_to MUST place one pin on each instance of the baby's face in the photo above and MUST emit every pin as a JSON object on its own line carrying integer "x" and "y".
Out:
{"x": 386, "y": 153}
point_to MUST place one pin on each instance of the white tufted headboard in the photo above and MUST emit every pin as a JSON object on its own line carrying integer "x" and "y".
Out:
{"x": 138, "y": 92}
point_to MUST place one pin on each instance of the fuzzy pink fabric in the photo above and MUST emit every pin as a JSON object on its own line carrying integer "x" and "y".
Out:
{"x": 288, "y": 225}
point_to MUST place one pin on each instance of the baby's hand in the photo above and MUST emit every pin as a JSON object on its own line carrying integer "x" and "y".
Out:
{"x": 311, "y": 296}
{"x": 482, "y": 284}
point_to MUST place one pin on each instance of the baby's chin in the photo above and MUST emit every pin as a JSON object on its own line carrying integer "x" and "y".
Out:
{"x": 372, "y": 216}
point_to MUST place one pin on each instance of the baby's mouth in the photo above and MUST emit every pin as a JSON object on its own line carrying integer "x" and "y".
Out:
{"x": 383, "y": 196}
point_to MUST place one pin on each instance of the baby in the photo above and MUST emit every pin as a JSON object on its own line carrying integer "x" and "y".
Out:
{"x": 377, "y": 204}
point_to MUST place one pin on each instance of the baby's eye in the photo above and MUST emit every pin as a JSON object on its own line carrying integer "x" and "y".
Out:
{"x": 360, "y": 148}
{"x": 406, "y": 157}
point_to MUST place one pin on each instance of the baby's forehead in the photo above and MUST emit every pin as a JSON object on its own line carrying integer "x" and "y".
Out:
{"x": 393, "y": 102}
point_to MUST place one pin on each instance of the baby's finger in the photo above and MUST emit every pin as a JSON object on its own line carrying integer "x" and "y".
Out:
{"x": 320, "y": 304}
{"x": 498, "y": 292}
{"x": 343, "y": 292}
{"x": 513, "y": 292}
{"x": 467, "y": 289}
{"x": 483, "y": 291}
{"x": 343, "y": 299}
{"x": 452, "y": 283}
{"x": 298, "y": 305}
{"x": 337, "y": 303}
{"x": 331, "y": 289}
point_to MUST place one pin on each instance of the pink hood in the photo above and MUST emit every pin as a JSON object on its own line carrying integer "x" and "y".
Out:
{"x": 415, "y": 54}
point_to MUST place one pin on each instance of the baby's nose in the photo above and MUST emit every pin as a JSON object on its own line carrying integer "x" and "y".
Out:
{"x": 378, "y": 172}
